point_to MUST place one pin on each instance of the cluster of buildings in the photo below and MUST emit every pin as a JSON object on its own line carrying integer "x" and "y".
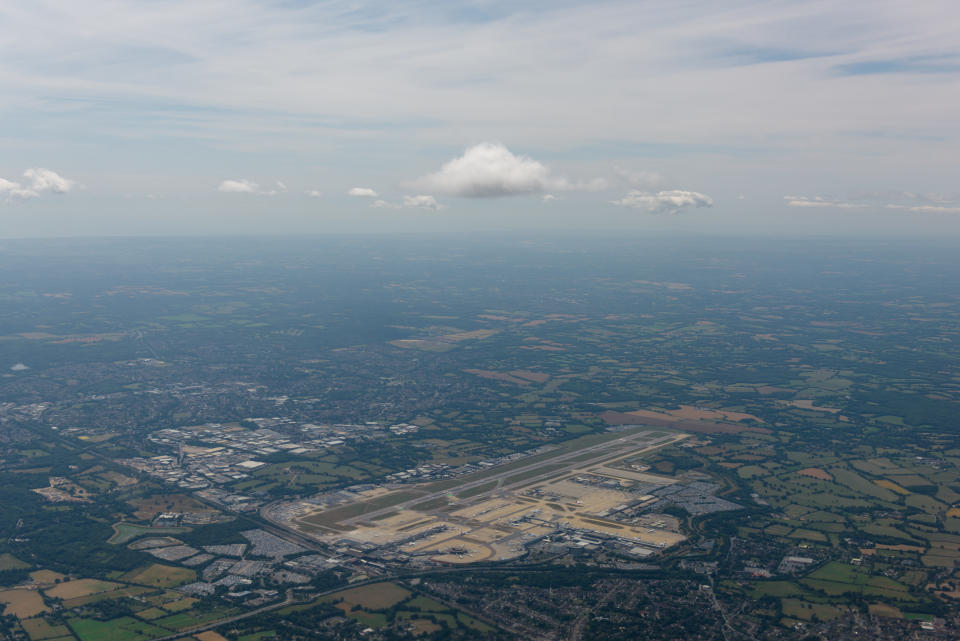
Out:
{"x": 247, "y": 573}
{"x": 213, "y": 455}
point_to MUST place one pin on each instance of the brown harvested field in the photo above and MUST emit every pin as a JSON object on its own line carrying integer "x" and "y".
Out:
{"x": 884, "y": 610}
{"x": 147, "y": 508}
{"x": 497, "y": 376}
{"x": 894, "y": 548}
{"x": 808, "y": 405}
{"x": 23, "y": 603}
{"x": 466, "y": 336}
{"x": 664, "y": 420}
{"x": 816, "y": 473}
{"x": 709, "y": 450}
{"x": 378, "y": 596}
{"x": 47, "y": 576}
{"x": 909, "y": 480}
{"x": 81, "y": 587}
{"x": 893, "y": 487}
{"x": 121, "y": 480}
{"x": 536, "y": 377}
{"x": 209, "y": 635}
{"x": 700, "y": 414}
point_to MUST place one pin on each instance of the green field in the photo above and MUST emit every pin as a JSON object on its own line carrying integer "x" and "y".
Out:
{"x": 126, "y": 532}
{"x": 159, "y": 575}
{"x": 122, "y": 629}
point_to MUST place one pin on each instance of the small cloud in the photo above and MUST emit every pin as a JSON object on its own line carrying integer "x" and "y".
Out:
{"x": 244, "y": 186}
{"x": 39, "y": 181}
{"x": 19, "y": 367}
{"x": 548, "y": 198}
{"x": 42, "y": 180}
{"x": 382, "y": 204}
{"x": 423, "y": 202}
{"x": 490, "y": 170}
{"x": 819, "y": 201}
{"x": 362, "y": 192}
{"x": 664, "y": 202}
{"x": 314, "y": 193}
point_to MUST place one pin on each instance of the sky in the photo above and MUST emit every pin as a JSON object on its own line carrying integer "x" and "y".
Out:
{"x": 201, "y": 117}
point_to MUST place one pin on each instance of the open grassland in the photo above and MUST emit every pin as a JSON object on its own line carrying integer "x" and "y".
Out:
{"x": 126, "y": 532}
{"x": 805, "y": 610}
{"x": 189, "y": 619}
{"x": 378, "y": 596}
{"x": 81, "y": 588}
{"x": 120, "y": 629}
{"x": 39, "y": 630}
{"x": 161, "y": 576}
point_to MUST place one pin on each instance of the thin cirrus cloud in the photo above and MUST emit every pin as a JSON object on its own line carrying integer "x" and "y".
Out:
{"x": 491, "y": 170}
{"x": 905, "y": 201}
{"x": 244, "y": 186}
{"x": 671, "y": 201}
{"x": 39, "y": 181}
{"x": 362, "y": 192}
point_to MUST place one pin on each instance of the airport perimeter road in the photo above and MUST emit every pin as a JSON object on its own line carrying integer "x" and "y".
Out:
{"x": 575, "y": 460}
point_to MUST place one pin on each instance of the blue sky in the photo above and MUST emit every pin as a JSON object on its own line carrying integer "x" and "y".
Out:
{"x": 226, "y": 116}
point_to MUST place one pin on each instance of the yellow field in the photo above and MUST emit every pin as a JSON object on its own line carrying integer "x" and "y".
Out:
{"x": 893, "y": 487}
{"x": 23, "y": 603}
{"x": 210, "y": 635}
{"x": 47, "y": 576}
{"x": 81, "y": 587}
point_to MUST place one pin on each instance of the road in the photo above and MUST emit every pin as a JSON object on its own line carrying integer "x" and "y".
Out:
{"x": 289, "y": 600}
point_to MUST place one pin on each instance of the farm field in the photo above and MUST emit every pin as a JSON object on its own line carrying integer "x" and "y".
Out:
{"x": 23, "y": 603}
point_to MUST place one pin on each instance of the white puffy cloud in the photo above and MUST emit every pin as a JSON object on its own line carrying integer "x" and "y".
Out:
{"x": 490, "y": 170}
{"x": 42, "y": 180}
{"x": 244, "y": 186}
{"x": 362, "y": 192}
{"x": 39, "y": 181}
{"x": 664, "y": 202}
{"x": 548, "y": 198}
{"x": 313, "y": 193}
{"x": 423, "y": 202}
